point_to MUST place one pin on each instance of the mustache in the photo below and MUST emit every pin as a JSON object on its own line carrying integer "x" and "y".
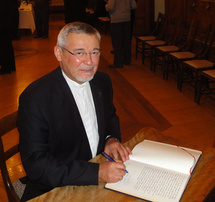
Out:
{"x": 86, "y": 67}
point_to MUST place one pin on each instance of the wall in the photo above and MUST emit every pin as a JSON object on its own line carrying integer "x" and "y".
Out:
{"x": 159, "y": 7}
{"x": 203, "y": 10}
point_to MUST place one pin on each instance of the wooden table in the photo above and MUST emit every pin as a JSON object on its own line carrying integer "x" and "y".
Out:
{"x": 200, "y": 184}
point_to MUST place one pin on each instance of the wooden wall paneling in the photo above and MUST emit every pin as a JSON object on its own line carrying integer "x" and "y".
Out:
{"x": 175, "y": 8}
{"x": 202, "y": 10}
{"x": 144, "y": 17}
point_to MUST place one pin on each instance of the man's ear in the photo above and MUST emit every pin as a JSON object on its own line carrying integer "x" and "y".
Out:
{"x": 57, "y": 52}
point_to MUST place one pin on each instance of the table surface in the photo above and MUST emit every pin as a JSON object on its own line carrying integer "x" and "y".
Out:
{"x": 200, "y": 184}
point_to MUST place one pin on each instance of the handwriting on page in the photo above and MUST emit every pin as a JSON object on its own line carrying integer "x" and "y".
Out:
{"x": 154, "y": 183}
{"x": 159, "y": 182}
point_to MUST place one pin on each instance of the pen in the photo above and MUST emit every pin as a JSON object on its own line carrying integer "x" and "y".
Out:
{"x": 110, "y": 159}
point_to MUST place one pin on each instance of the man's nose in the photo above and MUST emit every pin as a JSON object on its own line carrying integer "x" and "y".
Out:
{"x": 88, "y": 58}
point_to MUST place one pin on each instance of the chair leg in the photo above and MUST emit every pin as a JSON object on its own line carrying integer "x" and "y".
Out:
{"x": 143, "y": 52}
{"x": 151, "y": 58}
{"x": 199, "y": 90}
{"x": 179, "y": 75}
{"x": 137, "y": 48}
{"x": 196, "y": 85}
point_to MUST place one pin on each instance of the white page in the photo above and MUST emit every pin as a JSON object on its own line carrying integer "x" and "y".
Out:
{"x": 151, "y": 183}
{"x": 165, "y": 155}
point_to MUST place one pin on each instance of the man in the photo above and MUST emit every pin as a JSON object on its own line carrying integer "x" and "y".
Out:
{"x": 120, "y": 28}
{"x": 67, "y": 117}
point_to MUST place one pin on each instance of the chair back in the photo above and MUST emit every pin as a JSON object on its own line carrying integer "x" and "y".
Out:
{"x": 209, "y": 53}
{"x": 162, "y": 26}
{"x": 188, "y": 35}
{"x": 172, "y": 29}
{"x": 7, "y": 124}
{"x": 157, "y": 26}
{"x": 200, "y": 43}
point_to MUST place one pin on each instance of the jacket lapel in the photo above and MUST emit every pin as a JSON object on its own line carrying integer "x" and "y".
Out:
{"x": 99, "y": 107}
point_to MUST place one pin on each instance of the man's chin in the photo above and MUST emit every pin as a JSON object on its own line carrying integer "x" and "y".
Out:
{"x": 84, "y": 79}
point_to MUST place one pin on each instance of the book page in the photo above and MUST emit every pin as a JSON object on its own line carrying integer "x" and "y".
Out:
{"x": 151, "y": 183}
{"x": 165, "y": 156}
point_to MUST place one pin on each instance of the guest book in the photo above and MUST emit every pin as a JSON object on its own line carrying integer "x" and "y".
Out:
{"x": 157, "y": 171}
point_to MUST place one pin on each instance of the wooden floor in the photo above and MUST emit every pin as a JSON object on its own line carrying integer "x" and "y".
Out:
{"x": 142, "y": 98}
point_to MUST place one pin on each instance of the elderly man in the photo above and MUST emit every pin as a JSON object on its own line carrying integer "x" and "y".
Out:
{"x": 67, "y": 117}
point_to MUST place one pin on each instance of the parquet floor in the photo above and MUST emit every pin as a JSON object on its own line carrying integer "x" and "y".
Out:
{"x": 142, "y": 98}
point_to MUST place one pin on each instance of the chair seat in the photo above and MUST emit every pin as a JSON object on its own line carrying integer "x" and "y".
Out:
{"x": 156, "y": 43}
{"x": 168, "y": 48}
{"x": 183, "y": 55}
{"x": 210, "y": 73}
{"x": 19, "y": 188}
{"x": 199, "y": 63}
{"x": 146, "y": 38}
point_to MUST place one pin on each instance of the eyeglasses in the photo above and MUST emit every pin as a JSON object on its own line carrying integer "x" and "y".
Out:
{"x": 82, "y": 54}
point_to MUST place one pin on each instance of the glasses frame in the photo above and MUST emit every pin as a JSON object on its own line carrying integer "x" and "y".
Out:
{"x": 85, "y": 53}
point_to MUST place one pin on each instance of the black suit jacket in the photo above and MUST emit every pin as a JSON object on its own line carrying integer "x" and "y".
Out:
{"x": 54, "y": 146}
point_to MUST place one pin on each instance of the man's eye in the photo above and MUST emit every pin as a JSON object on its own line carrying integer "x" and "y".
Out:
{"x": 80, "y": 54}
{"x": 94, "y": 53}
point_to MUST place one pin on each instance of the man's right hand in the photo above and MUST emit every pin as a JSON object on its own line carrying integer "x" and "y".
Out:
{"x": 111, "y": 171}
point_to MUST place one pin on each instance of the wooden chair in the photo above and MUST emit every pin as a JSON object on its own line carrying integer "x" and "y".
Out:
{"x": 8, "y": 124}
{"x": 171, "y": 28}
{"x": 181, "y": 40}
{"x": 194, "y": 67}
{"x": 156, "y": 34}
{"x": 195, "y": 50}
{"x": 206, "y": 84}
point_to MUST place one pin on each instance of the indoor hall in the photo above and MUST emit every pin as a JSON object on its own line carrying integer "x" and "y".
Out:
{"x": 142, "y": 97}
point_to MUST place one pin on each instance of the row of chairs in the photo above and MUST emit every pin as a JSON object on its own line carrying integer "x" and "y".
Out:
{"x": 183, "y": 47}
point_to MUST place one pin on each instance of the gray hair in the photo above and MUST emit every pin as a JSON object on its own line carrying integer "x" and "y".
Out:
{"x": 75, "y": 27}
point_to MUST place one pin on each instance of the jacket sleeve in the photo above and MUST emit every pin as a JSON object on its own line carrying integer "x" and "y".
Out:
{"x": 40, "y": 162}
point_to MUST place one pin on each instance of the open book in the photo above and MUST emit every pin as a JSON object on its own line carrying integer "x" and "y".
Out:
{"x": 157, "y": 171}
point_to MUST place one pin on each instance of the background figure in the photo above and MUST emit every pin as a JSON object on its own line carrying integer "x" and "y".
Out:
{"x": 75, "y": 10}
{"x": 132, "y": 20}
{"x": 120, "y": 27}
{"x": 99, "y": 8}
{"x": 41, "y": 10}
{"x": 8, "y": 23}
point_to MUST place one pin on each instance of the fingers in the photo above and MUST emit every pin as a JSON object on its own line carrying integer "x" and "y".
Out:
{"x": 124, "y": 152}
{"x": 117, "y": 149}
{"x": 111, "y": 171}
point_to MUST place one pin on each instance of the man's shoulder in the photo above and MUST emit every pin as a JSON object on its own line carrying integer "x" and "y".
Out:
{"x": 101, "y": 78}
{"x": 101, "y": 75}
{"x": 43, "y": 82}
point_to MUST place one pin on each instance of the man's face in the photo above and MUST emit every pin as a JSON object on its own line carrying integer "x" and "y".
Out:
{"x": 79, "y": 69}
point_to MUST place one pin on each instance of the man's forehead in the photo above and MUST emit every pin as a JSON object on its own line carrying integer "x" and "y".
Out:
{"x": 82, "y": 39}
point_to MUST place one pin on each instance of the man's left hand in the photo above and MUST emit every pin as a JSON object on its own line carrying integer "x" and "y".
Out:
{"x": 116, "y": 148}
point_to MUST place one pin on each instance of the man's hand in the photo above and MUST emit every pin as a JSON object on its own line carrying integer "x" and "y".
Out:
{"x": 111, "y": 171}
{"x": 116, "y": 148}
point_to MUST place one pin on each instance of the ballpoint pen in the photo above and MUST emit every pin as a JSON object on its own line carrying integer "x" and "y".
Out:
{"x": 110, "y": 159}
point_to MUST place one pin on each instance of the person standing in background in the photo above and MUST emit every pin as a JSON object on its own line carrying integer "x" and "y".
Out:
{"x": 8, "y": 23}
{"x": 132, "y": 20}
{"x": 120, "y": 28}
{"x": 41, "y": 9}
{"x": 75, "y": 10}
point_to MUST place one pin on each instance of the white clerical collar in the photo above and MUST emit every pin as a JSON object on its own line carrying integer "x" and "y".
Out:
{"x": 84, "y": 100}
{"x": 73, "y": 83}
